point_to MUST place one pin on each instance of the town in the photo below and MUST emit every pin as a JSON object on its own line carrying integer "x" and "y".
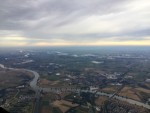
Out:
{"x": 65, "y": 81}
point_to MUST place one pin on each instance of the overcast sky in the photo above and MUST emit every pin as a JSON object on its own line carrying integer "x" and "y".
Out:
{"x": 74, "y": 22}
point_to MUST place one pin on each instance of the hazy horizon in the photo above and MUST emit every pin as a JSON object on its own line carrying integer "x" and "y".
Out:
{"x": 74, "y": 23}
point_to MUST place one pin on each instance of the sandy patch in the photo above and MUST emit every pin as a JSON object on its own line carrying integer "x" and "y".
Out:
{"x": 64, "y": 105}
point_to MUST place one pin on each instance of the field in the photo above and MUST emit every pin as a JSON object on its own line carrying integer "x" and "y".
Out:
{"x": 135, "y": 93}
{"x": 11, "y": 78}
{"x": 47, "y": 83}
{"x": 109, "y": 89}
{"x": 64, "y": 105}
{"x": 100, "y": 100}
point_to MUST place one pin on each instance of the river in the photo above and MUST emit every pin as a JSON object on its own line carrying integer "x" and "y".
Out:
{"x": 37, "y": 89}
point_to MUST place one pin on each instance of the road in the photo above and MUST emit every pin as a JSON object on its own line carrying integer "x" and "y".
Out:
{"x": 38, "y": 89}
{"x": 54, "y": 89}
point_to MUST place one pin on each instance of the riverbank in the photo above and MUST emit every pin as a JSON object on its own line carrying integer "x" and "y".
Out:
{"x": 37, "y": 89}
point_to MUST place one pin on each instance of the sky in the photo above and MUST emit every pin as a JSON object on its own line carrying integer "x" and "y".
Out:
{"x": 74, "y": 22}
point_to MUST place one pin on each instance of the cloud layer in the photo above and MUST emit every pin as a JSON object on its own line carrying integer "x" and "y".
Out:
{"x": 33, "y": 22}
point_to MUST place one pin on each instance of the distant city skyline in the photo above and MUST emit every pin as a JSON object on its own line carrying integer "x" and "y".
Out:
{"x": 74, "y": 22}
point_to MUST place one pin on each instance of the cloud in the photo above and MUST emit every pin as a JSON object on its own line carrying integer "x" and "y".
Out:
{"x": 75, "y": 21}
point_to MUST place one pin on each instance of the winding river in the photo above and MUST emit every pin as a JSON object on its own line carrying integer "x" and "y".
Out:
{"x": 37, "y": 89}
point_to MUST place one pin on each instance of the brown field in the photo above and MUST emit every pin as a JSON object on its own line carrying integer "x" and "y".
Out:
{"x": 48, "y": 83}
{"x": 143, "y": 90}
{"x": 57, "y": 83}
{"x": 100, "y": 100}
{"x": 130, "y": 93}
{"x": 133, "y": 93}
{"x": 44, "y": 82}
{"x": 63, "y": 105}
{"x": 109, "y": 89}
{"x": 10, "y": 78}
{"x": 46, "y": 110}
